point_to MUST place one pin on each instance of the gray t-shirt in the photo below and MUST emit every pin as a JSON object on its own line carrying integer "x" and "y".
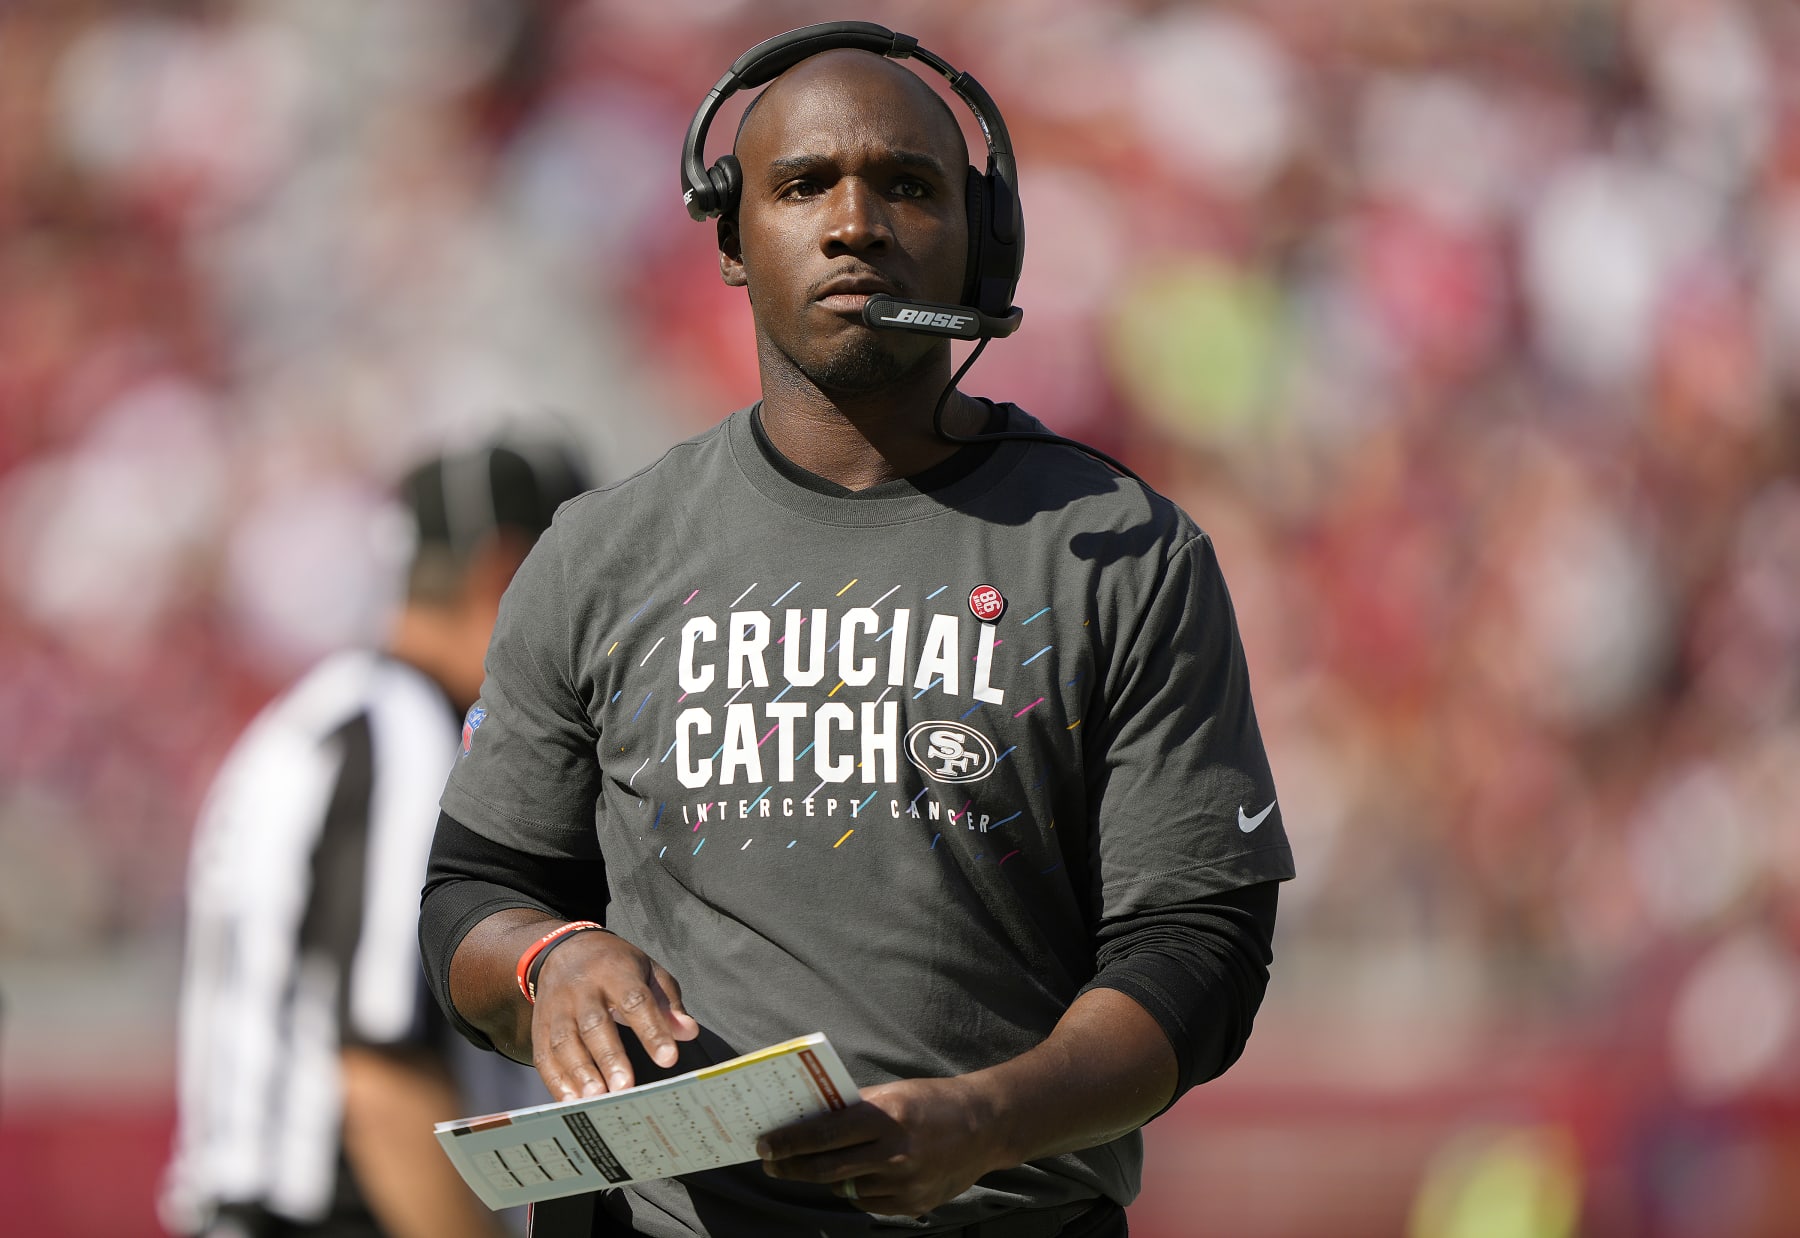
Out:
{"x": 884, "y": 765}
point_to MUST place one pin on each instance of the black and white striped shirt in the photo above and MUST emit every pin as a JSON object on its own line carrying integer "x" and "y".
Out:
{"x": 302, "y": 932}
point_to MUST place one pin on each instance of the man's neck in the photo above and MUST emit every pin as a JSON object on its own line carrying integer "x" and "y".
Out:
{"x": 858, "y": 440}
{"x": 435, "y": 641}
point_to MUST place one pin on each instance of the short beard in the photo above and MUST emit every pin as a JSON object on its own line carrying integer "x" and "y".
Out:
{"x": 860, "y": 367}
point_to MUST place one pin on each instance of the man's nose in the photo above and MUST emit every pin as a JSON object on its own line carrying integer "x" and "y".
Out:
{"x": 857, "y": 219}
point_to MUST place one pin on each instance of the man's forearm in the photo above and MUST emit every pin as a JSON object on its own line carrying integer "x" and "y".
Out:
{"x": 476, "y": 892}
{"x": 1105, "y": 1070}
{"x": 483, "y": 977}
{"x": 1189, "y": 976}
{"x": 391, "y": 1101}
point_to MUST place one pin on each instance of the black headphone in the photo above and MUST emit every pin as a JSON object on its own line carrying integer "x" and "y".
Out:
{"x": 996, "y": 226}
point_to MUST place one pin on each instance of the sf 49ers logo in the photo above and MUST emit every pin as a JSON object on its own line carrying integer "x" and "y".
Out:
{"x": 986, "y": 604}
{"x": 950, "y": 751}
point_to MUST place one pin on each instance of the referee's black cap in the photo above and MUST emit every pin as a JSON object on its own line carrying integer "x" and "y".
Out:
{"x": 460, "y": 498}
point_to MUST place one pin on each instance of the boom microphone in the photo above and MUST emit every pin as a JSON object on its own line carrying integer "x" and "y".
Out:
{"x": 958, "y": 322}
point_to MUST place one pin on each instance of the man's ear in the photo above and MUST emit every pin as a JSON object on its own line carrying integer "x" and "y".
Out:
{"x": 491, "y": 567}
{"x": 731, "y": 253}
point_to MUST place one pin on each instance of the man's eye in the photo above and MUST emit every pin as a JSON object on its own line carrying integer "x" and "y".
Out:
{"x": 912, "y": 189}
{"x": 800, "y": 189}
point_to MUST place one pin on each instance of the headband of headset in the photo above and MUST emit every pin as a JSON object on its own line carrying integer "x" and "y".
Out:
{"x": 996, "y": 225}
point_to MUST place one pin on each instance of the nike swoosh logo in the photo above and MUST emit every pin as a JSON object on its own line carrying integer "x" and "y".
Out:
{"x": 1247, "y": 824}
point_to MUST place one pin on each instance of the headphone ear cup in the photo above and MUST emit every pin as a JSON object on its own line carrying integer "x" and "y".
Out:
{"x": 975, "y": 199}
{"x": 726, "y": 177}
{"x": 1003, "y": 248}
{"x": 994, "y": 259}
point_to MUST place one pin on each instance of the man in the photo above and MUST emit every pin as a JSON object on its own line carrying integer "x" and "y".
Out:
{"x": 945, "y": 752}
{"x": 310, "y": 1074}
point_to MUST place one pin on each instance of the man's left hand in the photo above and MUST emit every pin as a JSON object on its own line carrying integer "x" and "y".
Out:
{"x": 912, "y": 1145}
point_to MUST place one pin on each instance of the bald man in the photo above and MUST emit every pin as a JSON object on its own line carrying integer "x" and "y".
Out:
{"x": 944, "y": 750}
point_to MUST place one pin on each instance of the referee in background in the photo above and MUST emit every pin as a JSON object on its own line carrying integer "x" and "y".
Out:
{"x": 312, "y": 1064}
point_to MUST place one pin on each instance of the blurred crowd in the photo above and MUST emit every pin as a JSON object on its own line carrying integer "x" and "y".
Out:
{"x": 1469, "y": 329}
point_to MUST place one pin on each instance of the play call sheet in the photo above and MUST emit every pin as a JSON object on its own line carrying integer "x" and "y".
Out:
{"x": 700, "y": 1120}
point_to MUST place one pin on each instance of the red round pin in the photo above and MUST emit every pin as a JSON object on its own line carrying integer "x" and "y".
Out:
{"x": 986, "y": 604}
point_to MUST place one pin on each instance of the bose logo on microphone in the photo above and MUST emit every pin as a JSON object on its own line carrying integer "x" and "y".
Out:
{"x": 926, "y": 318}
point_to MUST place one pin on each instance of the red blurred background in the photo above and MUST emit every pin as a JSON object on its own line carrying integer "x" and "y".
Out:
{"x": 1469, "y": 328}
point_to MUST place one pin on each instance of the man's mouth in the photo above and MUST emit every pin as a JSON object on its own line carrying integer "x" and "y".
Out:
{"x": 847, "y": 294}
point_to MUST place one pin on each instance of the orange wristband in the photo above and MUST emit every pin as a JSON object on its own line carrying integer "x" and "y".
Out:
{"x": 528, "y": 982}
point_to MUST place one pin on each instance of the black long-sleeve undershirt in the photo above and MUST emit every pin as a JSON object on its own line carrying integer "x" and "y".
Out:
{"x": 1200, "y": 968}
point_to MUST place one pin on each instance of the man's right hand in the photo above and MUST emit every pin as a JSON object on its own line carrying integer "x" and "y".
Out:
{"x": 588, "y": 988}
{"x": 589, "y": 985}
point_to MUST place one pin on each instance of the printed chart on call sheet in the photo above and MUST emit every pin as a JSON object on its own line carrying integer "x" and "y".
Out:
{"x": 700, "y": 1120}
